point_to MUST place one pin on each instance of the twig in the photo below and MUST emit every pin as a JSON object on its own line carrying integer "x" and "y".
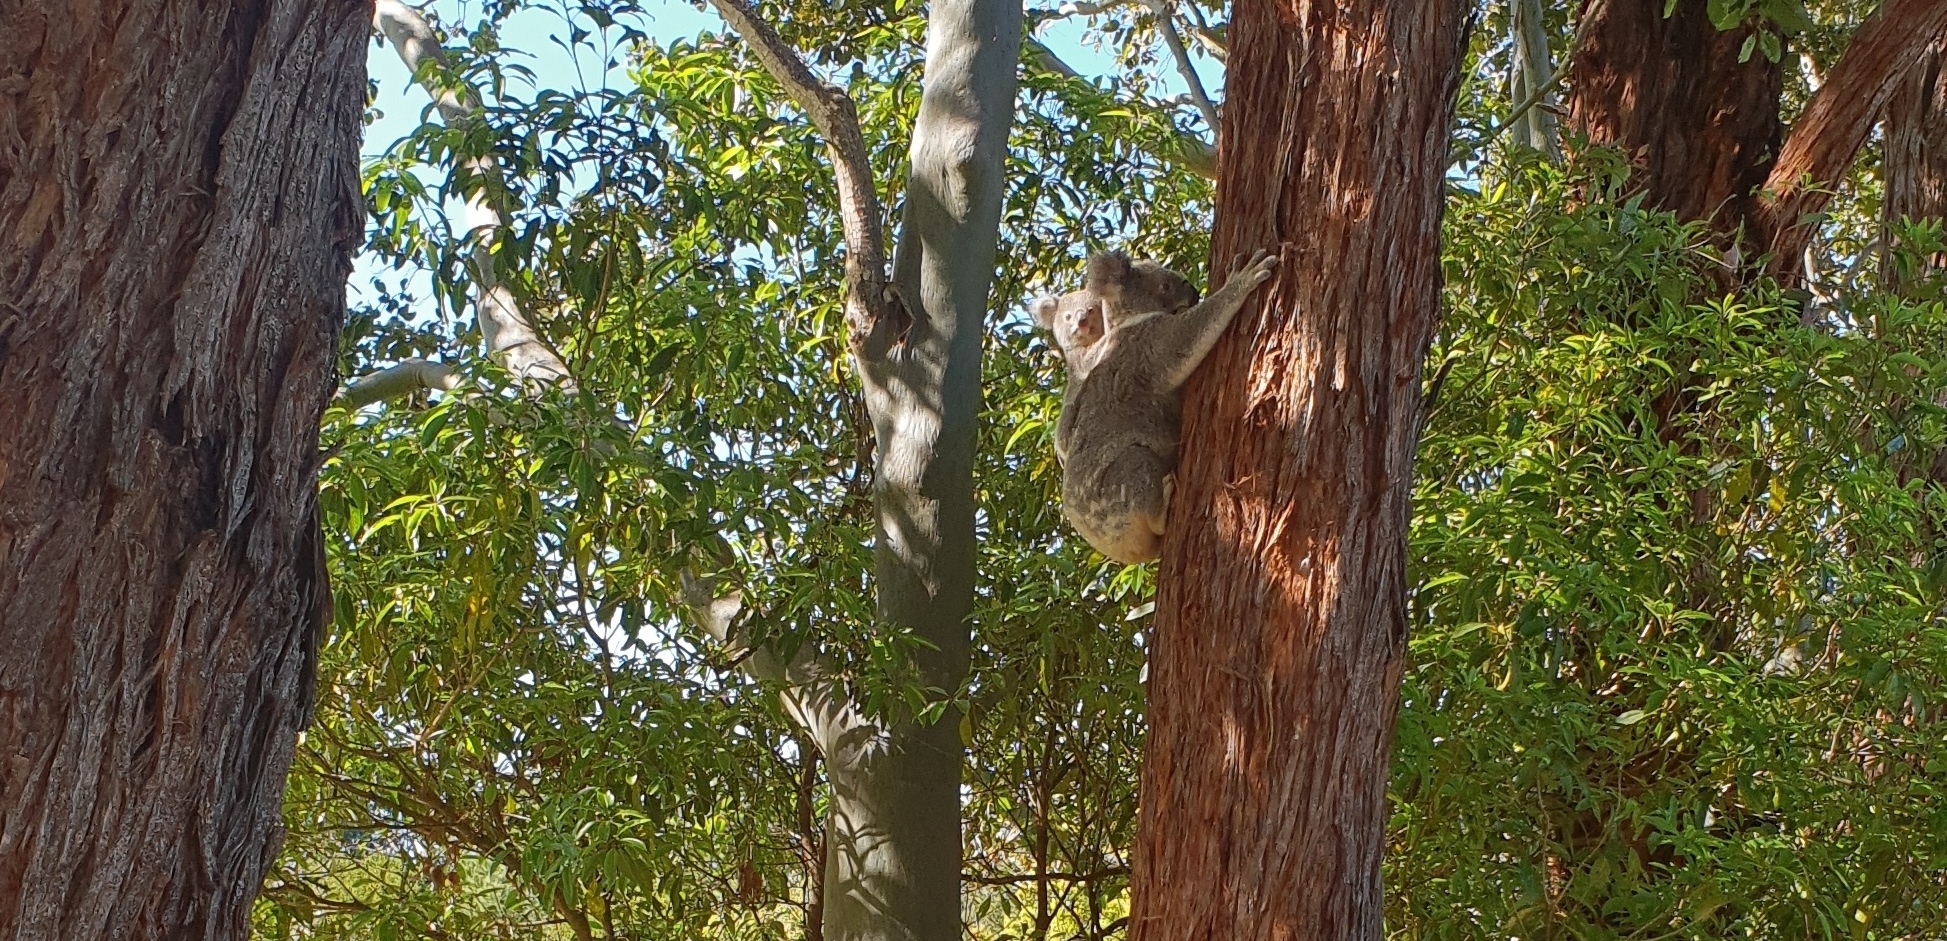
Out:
{"x": 392, "y": 382}
{"x": 873, "y": 311}
{"x": 1191, "y": 151}
{"x": 1166, "y": 21}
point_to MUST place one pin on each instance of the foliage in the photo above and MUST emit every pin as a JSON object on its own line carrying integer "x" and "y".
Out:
{"x": 1676, "y": 654}
{"x": 1677, "y": 644}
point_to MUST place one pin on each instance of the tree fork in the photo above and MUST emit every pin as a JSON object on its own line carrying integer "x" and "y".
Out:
{"x": 1837, "y": 121}
{"x": 1280, "y": 631}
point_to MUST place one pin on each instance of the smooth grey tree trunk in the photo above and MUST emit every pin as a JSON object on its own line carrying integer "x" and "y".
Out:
{"x": 894, "y": 851}
{"x": 178, "y": 205}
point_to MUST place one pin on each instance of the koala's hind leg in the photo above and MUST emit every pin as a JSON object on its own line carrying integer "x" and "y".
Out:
{"x": 1121, "y": 508}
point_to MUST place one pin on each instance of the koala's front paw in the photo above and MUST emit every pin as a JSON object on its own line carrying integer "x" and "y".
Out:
{"x": 1258, "y": 269}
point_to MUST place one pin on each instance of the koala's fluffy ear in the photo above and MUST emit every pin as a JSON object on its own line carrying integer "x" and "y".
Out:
{"x": 1107, "y": 273}
{"x": 1044, "y": 308}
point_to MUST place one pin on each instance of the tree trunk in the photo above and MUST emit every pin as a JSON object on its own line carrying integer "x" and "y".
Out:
{"x": 1915, "y": 170}
{"x": 893, "y": 863}
{"x": 1280, "y": 630}
{"x": 1700, "y": 127}
{"x": 1533, "y": 70}
{"x": 178, "y": 204}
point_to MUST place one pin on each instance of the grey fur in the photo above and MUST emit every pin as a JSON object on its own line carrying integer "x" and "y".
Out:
{"x": 1077, "y": 318}
{"x": 1122, "y": 418}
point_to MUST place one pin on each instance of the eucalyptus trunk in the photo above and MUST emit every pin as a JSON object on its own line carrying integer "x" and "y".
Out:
{"x": 1915, "y": 172}
{"x": 178, "y": 204}
{"x": 1281, "y": 626}
{"x": 1700, "y": 126}
{"x": 893, "y": 862}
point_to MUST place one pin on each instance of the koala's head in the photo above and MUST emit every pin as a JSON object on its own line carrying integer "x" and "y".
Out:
{"x": 1128, "y": 288}
{"x": 1074, "y": 318}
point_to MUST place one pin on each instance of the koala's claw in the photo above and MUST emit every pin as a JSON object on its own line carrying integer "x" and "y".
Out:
{"x": 1258, "y": 267}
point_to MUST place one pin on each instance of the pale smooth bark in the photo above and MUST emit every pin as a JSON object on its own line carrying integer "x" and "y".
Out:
{"x": 505, "y": 329}
{"x": 1534, "y": 76}
{"x": 894, "y": 854}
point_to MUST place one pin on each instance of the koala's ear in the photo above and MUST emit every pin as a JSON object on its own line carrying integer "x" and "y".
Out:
{"x": 1044, "y": 308}
{"x": 1107, "y": 272}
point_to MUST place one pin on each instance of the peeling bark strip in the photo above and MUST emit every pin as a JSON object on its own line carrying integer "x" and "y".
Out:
{"x": 178, "y": 204}
{"x": 1701, "y": 127}
{"x": 1280, "y": 634}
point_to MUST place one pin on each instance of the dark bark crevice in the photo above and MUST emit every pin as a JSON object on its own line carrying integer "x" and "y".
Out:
{"x": 1700, "y": 127}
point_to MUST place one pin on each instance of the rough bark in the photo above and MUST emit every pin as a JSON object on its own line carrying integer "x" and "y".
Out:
{"x": 1838, "y": 120}
{"x": 178, "y": 205}
{"x": 1915, "y": 169}
{"x": 1700, "y": 127}
{"x": 1280, "y": 632}
{"x": 892, "y": 868}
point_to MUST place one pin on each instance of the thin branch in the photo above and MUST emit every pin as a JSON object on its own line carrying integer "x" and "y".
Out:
{"x": 812, "y": 694}
{"x": 1540, "y": 92}
{"x": 1521, "y": 108}
{"x": 1046, "y": 59}
{"x": 1166, "y": 21}
{"x": 407, "y": 377}
{"x": 509, "y": 336}
{"x": 873, "y": 311}
{"x": 1090, "y": 9}
{"x": 1213, "y": 40}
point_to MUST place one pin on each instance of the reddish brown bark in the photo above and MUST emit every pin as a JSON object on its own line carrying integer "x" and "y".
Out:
{"x": 178, "y": 202}
{"x": 1700, "y": 127}
{"x": 1274, "y": 679}
{"x": 1838, "y": 120}
{"x": 1915, "y": 170}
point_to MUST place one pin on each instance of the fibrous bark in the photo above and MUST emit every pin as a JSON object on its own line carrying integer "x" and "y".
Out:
{"x": 1915, "y": 169}
{"x": 178, "y": 205}
{"x": 1701, "y": 127}
{"x": 1838, "y": 119}
{"x": 1280, "y": 632}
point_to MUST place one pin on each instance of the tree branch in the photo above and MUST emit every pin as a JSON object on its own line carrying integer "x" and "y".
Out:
{"x": 392, "y": 382}
{"x": 1536, "y": 129}
{"x": 510, "y": 337}
{"x": 811, "y": 693}
{"x": 1826, "y": 138}
{"x": 876, "y": 315}
{"x": 1191, "y": 151}
{"x": 1166, "y": 21}
{"x": 1539, "y": 92}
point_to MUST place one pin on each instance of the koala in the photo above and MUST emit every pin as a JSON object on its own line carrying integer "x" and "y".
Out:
{"x": 1122, "y": 419}
{"x": 1077, "y": 318}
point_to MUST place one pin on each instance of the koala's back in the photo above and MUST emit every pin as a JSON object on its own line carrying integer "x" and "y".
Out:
{"x": 1121, "y": 403}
